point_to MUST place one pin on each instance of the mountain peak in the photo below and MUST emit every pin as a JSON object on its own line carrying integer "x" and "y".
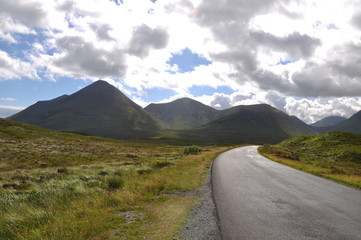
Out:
{"x": 182, "y": 113}
{"x": 100, "y": 84}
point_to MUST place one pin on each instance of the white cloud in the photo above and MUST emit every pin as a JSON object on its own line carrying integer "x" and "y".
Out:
{"x": 7, "y": 99}
{"x": 11, "y": 68}
{"x": 7, "y": 111}
{"x": 312, "y": 110}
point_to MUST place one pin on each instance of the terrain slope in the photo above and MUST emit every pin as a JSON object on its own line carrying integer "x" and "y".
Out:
{"x": 98, "y": 109}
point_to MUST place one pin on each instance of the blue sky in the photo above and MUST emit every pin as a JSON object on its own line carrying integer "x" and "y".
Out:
{"x": 301, "y": 57}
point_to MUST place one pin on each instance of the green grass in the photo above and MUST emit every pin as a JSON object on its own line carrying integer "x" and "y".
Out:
{"x": 66, "y": 186}
{"x": 334, "y": 155}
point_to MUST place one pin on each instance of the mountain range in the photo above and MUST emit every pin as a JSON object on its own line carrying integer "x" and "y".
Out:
{"x": 328, "y": 121}
{"x": 102, "y": 110}
{"x": 353, "y": 124}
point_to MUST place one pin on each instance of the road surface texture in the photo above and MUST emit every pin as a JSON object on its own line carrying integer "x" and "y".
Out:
{"x": 260, "y": 199}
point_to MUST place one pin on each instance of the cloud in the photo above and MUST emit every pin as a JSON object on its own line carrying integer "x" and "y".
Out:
{"x": 7, "y": 111}
{"x": 356, "y": 19}
{"x": 11, "y": 68}
{"x": 145, "y": 38}
{"x": 217, "y": 13}
{"x": 7, "y": 99}
{"x": 221, "y": 101}
{"x": 312, "y": 110}
{"x": 296, "y": 45}
{"x": 276, "y": 100}
{"x": 82, "y": 59}
{"x": 102, "y": 31}
{"x": 338, "y": 76}
{"x": 27, "y": 12}
{"x": 321, "y": 66}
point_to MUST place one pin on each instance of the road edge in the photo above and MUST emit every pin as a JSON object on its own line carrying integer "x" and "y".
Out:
{"x": 203, "y": 220}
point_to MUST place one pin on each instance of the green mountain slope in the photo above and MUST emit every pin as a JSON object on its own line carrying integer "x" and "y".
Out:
{"x": 183, "y": 113}
{"x": 252, "y": 124}
{"x": 353, "y": 124}
{"x": 98, "y": 109}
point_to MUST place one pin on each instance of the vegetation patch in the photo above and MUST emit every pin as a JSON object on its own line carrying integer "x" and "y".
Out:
{"x": 333, "y": 155}
{"x": 194, "y": 149}
{"x": 90, "y": 189}
{"x": 161, "y": 163}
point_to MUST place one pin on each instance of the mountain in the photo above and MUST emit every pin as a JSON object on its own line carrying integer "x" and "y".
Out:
{"x": 250, "y": 124}
{"x": 353, "y": 124}
{"x": 183, "y": 113}
{"x": 98, "y": 109}
{"x": 328, "y": 121}
{"x": 102, "y": 110}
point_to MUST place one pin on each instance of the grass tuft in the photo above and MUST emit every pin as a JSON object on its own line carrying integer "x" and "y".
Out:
{"x": 115, "y": 183}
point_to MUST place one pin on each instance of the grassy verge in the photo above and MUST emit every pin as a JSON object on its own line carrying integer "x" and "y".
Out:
{"x": 335, "y": 156}
{"x": 65, "y": 186}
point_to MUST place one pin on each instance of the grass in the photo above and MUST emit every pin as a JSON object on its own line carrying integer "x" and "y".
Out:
{"x": 66, "y": 186}
{"x": 334, "y": 155}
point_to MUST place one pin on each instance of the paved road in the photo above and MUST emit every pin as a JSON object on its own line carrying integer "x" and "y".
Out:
{"x": 260, "y": 199}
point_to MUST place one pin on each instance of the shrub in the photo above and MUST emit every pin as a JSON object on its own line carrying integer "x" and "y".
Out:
{"x": 194, "y": 149}
{"x": 161, "y": 163}
{"x": 115, "y": 183}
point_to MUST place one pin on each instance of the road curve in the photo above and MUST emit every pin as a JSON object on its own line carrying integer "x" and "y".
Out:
{"x": 259, "y": 199}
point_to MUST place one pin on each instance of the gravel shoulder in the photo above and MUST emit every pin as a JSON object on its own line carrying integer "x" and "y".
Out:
{"x": 202, "y": 223}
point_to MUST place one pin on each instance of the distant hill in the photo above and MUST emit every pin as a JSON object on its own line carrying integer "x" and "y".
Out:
{"x": 98, "y": 109}
{"x": 183, "y": 113}
{"x": 353, "y": 124}
{"x": 250, "y": 124}
{"x": 328, "y": 121}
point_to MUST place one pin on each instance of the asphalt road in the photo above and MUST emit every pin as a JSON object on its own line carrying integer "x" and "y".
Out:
{"x": 260, "y": 199}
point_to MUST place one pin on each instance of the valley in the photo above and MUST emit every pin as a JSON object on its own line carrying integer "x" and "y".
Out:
{"x": 95, "y": 165}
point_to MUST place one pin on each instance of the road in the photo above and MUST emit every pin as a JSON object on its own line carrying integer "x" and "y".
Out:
{"x": 259, "y": 199}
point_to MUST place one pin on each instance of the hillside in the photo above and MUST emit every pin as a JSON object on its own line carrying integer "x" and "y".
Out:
{"x": 183, "y": 113}
{"x": 252, "y": 124}
{"x": 98, "y": 109}
{"x": 333, "y": 155}
{"x": 25, "y": 146}
{"x": 353, "y": 124}
{"x": 328, "y": 121}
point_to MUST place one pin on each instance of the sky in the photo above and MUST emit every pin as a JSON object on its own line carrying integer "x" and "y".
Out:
{"x": 302, "y": 57}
